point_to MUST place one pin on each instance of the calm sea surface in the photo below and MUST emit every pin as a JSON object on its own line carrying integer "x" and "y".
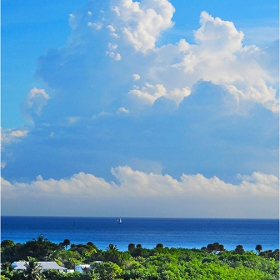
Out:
{"x": 187, "y": 233}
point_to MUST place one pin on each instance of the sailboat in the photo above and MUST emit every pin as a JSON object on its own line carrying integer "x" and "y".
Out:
{"x": 120, "y": 220}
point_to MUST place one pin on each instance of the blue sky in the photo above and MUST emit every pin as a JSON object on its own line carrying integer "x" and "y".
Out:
{"x": 154, "y": 108}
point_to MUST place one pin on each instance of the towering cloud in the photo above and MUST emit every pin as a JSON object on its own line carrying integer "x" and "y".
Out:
{"x": 150, "y": 112}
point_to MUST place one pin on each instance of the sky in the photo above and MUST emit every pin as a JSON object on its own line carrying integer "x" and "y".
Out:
{"x": 154, "y": 108}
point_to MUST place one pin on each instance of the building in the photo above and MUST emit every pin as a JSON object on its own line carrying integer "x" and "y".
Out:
{"x": 82, "y": 267}
{"x": 44, "y": 265}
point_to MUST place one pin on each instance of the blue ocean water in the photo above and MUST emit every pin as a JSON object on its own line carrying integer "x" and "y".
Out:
{"x": 186, "y": 233}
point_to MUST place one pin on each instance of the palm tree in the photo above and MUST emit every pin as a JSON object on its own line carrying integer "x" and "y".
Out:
{"x": 66, "y": 243}
{"x": 6, "y": 267}
{"x": 33, "y": 270}
{"x": 239, "y": 249}
{"x": 259, "y": 248}
{"x": 40, "y": 238}
{"x": 159, "y": 245}
{"x": 131, "y": 246}
{"x": 112, "y": 247}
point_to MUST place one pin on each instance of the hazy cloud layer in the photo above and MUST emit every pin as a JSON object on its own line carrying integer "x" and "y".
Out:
{"x": 133, "y": 184}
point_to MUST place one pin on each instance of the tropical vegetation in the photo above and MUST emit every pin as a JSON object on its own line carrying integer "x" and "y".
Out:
{"x": 210, "y": 262}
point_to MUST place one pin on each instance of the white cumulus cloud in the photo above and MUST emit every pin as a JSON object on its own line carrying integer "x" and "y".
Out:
{"x": 95, "y": 25}
{"x": 142, "y": 22}
{"x": 220, "y": 57}
{"x": 136, "y": 77}
{"x": 33, "y": 103}
{"x": 148, "y": 94}
{"x": 10, "y": 135}
{"x": 131, "y": 183}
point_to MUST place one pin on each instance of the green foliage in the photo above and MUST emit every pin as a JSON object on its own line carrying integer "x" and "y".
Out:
{"x": 215, "y": 247}
{"x": 84, "y": 250}
{"x": 66, "y": 243}
{"x": 112, "y": 247}
{"x": 107, "y": 270}
{"x": 32, "y": 270}
{"x": 239, "y": 249}
{"x": 7, "y": 243}
{"x": 160, "y": 263}
{"x": 131, "y": 246}
{"x": 159, "y": 245}
{"x": 40, "y": 249}
{"x": 269, "y": 254}
{"x": 11, "y": 253}
{"x": 259, "y": 248}
{"x": 55, "y": 275}
{"x": 115, "y": 256}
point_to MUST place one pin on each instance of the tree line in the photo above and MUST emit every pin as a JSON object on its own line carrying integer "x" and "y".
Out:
{"x": 210, "y": 262}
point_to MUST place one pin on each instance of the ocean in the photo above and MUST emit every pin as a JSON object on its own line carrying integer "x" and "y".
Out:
{"x": 184, "y": 233}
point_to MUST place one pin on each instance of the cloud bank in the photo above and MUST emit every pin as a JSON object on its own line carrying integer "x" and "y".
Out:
{"x": 132, "y": 184}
